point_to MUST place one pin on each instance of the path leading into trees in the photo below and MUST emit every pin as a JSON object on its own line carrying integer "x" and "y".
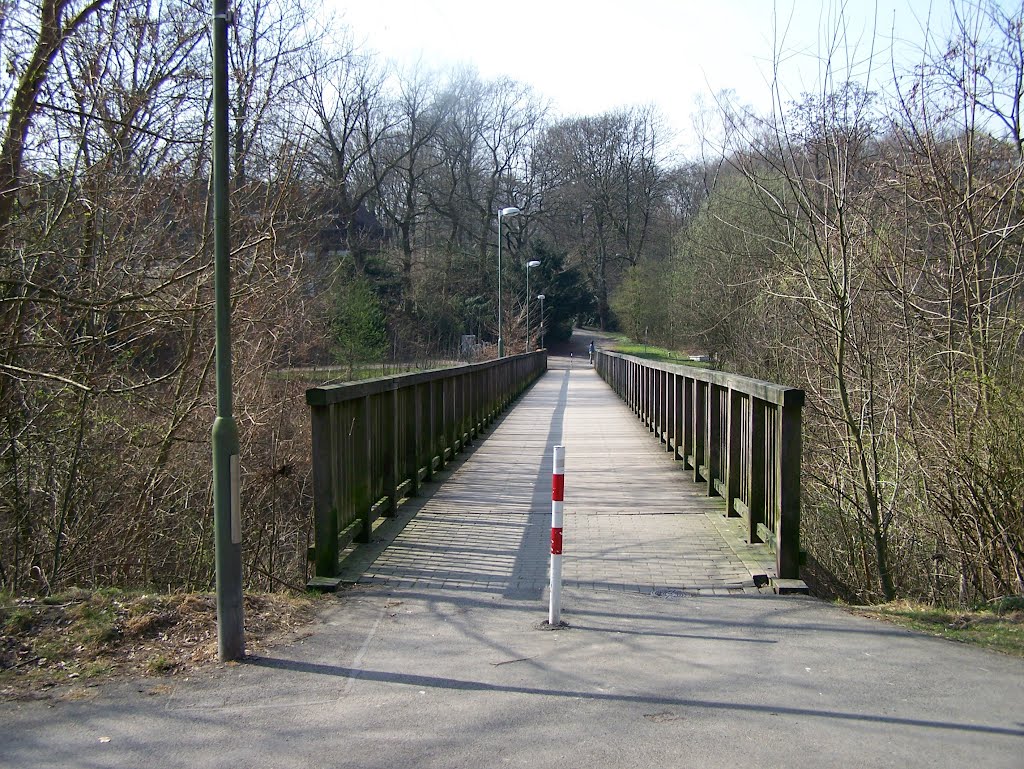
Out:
{"x": 671, "y": 658}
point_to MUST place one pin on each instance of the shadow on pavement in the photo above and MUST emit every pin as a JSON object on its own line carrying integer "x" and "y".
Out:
{"x": 422, "y": 681}
{"x": 536, "y": 533}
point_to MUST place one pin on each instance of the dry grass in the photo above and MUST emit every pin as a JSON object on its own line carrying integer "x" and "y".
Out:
{"x": 998, "y": 626}
{"x": 61, "y": 643}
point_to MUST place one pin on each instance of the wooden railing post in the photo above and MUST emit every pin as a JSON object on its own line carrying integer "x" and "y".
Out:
{"x": 424, "y": 456}
{"x": 481, "y": 401}
{"x": 631, "y": 378}
{"x": 699, "y": 438}
{"x": 325, "y": 512}
{"x": 712, "y": 444}
{"x": 431, "y": 428}
{"x": 667, "y": 395}
{"x": 636, "y": 376}
{"x": 687, "y": 450}
{"x": 449, "y": 419}
{"x": 659, "y": 404}
{"x": 648, "y": 392}
{"x": 414, "y": 436}
{"x": 787, "y": 548}
{"x": 467, "y": 408}
{"x": 678, "y": 416}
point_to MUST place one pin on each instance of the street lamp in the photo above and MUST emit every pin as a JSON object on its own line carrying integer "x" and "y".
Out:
{"x": 227, "y": 523}
{"x": 541, "y": 297}
{"x": 529, "y": 264}
{"x": 510, "y": 211}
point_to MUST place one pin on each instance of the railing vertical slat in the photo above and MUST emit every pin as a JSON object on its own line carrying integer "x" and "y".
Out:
{"x": 734, "y": 445}
{"x": 391, "y": 457}
{"x": 700, "y": 391}
{"x": 347, "y": 486}
{"x": 413, "y": 421}
{"x": 771, "y": 470}
{"x": 362, "y": 480}
{"x": 667, "y": 398}
{"x": 678, "y": 415}
{"x": 432, "y": 429}
{"x": 663, "y": 407}
{"x": 712, "y": 443}
{"x": 756, "y": 476}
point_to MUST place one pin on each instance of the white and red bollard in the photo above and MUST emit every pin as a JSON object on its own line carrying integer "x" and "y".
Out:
{"x": 557, "y": 499}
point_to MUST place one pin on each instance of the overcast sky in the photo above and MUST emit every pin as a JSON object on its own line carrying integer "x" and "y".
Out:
{"x": 589, "y": 57}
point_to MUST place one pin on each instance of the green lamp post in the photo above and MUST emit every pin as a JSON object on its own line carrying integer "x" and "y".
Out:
{"x": 226, "y": 504}
{"x": 510, "y": 211}
{"x": 541, "y": 298}
{"x": 529, "y": 265}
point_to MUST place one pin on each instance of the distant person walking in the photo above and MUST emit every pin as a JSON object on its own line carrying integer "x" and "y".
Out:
{"x": 591, "y": 353}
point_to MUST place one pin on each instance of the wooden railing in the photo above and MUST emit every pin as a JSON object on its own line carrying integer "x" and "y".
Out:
{"x": 740, "y": 436}
{"x": 377, "y": 440}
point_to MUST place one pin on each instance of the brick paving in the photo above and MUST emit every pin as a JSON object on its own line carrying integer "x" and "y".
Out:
{"x": 634, "y": 521}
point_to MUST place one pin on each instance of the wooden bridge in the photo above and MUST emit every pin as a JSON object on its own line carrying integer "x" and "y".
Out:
{"x": 677, "y": 478}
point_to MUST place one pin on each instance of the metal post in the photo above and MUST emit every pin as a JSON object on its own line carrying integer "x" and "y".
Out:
{"x": 541, "y": 297}
{"x": 507, "y": 211}
{"x": 501, "y": 340}
{"x": 226, "y": 503}
{"x": 529, "y": 265}
{"x": 557, "y": 497}
{"x": 528, "y": 306}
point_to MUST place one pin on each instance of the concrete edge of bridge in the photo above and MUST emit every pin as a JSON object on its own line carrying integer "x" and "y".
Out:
{"x": 757, "y": 559}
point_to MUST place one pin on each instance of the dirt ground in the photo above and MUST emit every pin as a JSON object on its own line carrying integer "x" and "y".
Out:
{"x": 62, "y": 645}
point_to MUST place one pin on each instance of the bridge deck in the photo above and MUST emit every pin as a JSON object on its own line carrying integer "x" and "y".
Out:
{"x": 633, "y": 520}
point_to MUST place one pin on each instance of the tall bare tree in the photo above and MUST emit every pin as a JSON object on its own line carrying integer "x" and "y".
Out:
{"x": 607, "y": 185}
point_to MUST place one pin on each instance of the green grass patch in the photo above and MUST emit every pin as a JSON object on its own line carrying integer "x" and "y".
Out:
{"x": 623, "y": 344}
{"x": 998, "y": 626}
{"x": 160, "y": 665}
{"x": 17, "y": 621}
{"x": 96, "y": 622}
{"x": 323, "y": 375}
{"x": 98, "y": 669}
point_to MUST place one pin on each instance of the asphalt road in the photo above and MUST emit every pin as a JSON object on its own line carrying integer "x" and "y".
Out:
{"x": 393, "y": 678}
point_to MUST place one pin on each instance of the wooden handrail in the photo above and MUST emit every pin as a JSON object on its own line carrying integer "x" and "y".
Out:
{"x": 741, "y": 437}
{"x": 377, "y": 440}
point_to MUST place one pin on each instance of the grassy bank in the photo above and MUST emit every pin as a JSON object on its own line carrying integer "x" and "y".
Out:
{"x": 324, "y": 375}
{"x": 623, "y": 344}
{"x": 998, "y": 626}
{"x": 62, "y": 644}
